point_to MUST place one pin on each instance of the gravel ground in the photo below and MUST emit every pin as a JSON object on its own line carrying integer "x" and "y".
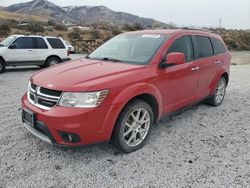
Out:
{"x": 200, "y": 147}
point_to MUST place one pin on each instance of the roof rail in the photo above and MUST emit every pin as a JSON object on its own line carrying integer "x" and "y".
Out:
{"x": 197, "y": 29}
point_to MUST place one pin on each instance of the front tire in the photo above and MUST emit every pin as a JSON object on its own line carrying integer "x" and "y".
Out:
{"x": 2, "y": 66}
{"x": 133, "y": 126}
{"x": 218, "y": 97}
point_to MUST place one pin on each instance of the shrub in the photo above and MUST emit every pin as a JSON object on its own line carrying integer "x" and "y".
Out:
{"x": 4, "y": 30}
{"x": 60, "y": 27}
{"x": 75, "y": 34}
{"x": 35, "y": 27}
{"x": 95, "y": 34}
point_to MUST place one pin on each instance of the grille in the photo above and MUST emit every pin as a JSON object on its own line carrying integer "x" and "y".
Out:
{"x": 42, "y": 97}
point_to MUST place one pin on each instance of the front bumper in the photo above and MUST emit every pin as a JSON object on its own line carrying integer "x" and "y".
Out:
{"x": 93, "y": 125}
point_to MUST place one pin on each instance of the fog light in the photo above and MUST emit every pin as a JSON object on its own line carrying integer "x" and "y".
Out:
{"x": 69, "y": 137}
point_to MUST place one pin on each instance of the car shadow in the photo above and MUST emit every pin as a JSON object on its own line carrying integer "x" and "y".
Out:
{"x": 23, "y": 69}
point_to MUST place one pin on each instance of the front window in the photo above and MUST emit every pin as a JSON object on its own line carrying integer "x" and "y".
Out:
{"x": 7, "y": 41}
{"x": 130, "y": 48}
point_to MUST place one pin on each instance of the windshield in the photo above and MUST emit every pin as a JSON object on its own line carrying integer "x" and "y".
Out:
{"x": 7, "y": 41}
{"x": 130, "y": 48}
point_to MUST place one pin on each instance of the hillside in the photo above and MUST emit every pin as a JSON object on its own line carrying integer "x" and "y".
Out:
{"x": 83, "y": 14}
{"x": 4, "y": 15}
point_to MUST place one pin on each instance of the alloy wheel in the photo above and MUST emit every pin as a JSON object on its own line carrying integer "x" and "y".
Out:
{"x": 136, "y": 127}
{"x": 220, "y": 91}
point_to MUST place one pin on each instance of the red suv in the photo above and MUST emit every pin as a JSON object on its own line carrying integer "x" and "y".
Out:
{"x": 119, "y": 91}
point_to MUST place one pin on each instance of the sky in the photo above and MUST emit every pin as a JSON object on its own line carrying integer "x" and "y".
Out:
{"x": 234, "y": 14}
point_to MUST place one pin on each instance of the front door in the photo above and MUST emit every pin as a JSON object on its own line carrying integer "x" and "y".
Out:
{"x": 23, "y": 52}
{"x": 180, "y": 81}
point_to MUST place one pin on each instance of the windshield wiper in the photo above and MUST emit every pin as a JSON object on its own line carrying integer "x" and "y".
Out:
{"x": 111, "y": 59}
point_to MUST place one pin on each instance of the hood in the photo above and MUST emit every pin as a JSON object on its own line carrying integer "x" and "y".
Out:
{"x": 82, "y": 74}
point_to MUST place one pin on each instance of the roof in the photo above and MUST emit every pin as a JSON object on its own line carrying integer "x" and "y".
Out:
{"x": 34, "y": 36}
{"x": 178, "y": 31}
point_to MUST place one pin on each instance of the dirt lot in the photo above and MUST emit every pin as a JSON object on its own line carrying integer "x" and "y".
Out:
{"x": 201, "y": 147}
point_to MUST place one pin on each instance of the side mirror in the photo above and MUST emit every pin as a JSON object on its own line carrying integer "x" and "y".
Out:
{"x": 12, "y": 46}
{"x": 174, "y": 58}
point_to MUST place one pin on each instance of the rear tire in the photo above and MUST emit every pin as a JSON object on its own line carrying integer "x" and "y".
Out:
{"x": 219, "y": 94}
{"x": 133, "y": 126}
{"x": 2, "y": 66}
{"x": 52, "y": 61}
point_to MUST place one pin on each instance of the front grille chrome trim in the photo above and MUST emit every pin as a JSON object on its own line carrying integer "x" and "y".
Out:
{"x": 37, "y": 94}
{"x": 44, "y": 95}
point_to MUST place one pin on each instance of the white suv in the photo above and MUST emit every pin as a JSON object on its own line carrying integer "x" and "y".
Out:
{"x": 20, "y": 50}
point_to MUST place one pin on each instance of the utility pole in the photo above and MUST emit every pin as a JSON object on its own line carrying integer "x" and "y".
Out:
{"x": 219, "y": 26}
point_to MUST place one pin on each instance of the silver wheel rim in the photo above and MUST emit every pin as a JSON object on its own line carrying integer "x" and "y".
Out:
{"x": 53, "y": 62}
{"x": 220, "y": 91}
{"x": 136, "y": 127}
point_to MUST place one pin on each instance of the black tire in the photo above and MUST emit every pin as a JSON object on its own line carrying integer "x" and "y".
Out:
{"x": 2, "y": 66}
{"x": 119, "y": 138}
{"x": 52, "y": 61}
{"x": 217, "y": 98}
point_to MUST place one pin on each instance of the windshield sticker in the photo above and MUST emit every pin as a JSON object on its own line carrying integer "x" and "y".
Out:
{"x": 151, "y": 36}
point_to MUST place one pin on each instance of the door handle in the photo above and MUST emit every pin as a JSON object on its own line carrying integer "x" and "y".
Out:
{"x": 195, "y": 68}
{"x": 217, "y": 62}
{"x": 30, "y": 50}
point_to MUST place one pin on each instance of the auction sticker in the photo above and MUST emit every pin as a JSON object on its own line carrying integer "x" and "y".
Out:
{"x": 151, "y": 36}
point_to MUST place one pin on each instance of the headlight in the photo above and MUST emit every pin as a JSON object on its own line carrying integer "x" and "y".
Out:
{"x": 82, "y": 99}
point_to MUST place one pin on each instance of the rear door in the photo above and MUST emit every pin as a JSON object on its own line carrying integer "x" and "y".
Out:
{"x": 23, "y": 53}
{"x": 58, "y": 47}
{"x": 180, "y": 81}
{"x": 42, "y": 49}
{"x": 205, "y": 61}
{"x": 219, "y": 52}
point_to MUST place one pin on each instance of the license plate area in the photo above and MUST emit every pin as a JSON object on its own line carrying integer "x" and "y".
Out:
{"x": 28, "y": 117}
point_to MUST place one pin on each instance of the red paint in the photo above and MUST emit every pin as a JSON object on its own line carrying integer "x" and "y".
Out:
{"x": 172, "y": 87}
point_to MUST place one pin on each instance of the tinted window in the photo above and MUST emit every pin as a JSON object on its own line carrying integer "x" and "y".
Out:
{"x": 183, "y": 45}
{"x": 204, "y": 46}
{"x": 55, "y": 43}
{"x": 41, "y": 43}
{"x": 24, "y": 43}
{"x": 219, "y": 47}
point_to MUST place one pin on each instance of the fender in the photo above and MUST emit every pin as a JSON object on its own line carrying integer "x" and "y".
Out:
{"x": 220, "y": 72}
{"x": 125, "y": 96}
{"x": 137, "y": 89}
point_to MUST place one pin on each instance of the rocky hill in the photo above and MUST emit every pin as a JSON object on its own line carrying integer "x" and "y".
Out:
{"x": 84, "y": 14}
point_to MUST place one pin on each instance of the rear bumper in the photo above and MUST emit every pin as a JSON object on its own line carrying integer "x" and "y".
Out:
{"x": 91, "y": 125}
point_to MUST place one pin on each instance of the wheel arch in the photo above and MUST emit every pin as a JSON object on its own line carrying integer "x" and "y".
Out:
{"x": 146, "y": 92}
{"x": 223, "y": 72}
{"x": 50, "y": 56}
{"x": 1, "y": 58}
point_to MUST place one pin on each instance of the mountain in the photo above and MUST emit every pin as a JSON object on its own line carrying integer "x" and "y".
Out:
{"x": 84, "y": 14}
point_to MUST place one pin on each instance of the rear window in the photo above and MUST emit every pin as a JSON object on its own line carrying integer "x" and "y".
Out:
{"x": 55, "y": 43}
{"x": 41, "y": 43}
{"x": 219, "y": 47}
{"x": 204, "y": 45}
